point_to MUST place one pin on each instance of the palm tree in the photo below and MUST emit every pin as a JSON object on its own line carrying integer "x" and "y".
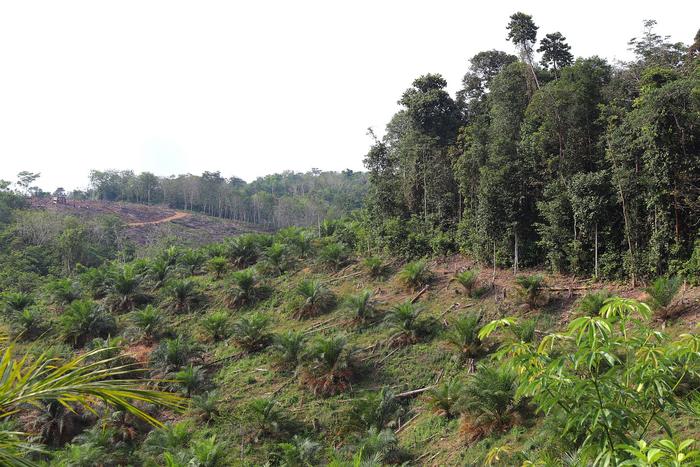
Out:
{"x": 361, "y": 305}
{"x": 445, "y": 397}
{"x": 276, "y": 259}
{"x": 192, "y": 260}
{"x": 404, "y": 318}
{"x": 374, "y": 409}
{"x": 84, "y": 320}
{"x": 316, "y": 298}
{"x": 333, "y": 256}
{"x": 244, "y": 250}
{"x": 662, "y": 291}
{"x": 182, "y": 295}
{"x": 125, "y": 290}
{"x": 375, "y": 266}
{"x": 217, "y": 325}
{"x": 251, "y": 332}
{"x": 148, "y": 320}
{"x": 15, "y": 302}
{"x": 464, "y": 336}
{"x": 289, "y": 346}
{"x": 467, "y": 279}
{"x": 591, "y": 303}
{"x": 331, "y": 365}
{"x": 415, "y": 274}
{"x": 63, "y": 291}
{"x": 245, "y": 289}
{"x": 217, "y": 265}
{"x": 158, "y": 271}
{"x": 530, "y": 287}
{"x": 81, "y": 381}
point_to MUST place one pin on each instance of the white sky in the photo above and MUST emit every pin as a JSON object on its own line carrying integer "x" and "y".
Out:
{"x": 251, "y": 87}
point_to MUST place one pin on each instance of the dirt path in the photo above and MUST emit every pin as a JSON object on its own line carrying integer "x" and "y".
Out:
{"x": 174, "y": 217}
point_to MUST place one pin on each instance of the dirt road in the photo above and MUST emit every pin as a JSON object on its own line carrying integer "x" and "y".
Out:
{"x": 174, "y": 217}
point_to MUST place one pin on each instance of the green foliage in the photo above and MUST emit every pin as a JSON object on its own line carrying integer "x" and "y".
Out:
{"x": 192, "y": 260}
{"x": 217, "y": 265}
{"x": 63, "y": 291}
{"x": 251, "y": 332}
{"x": 266, "y": 415}
{"x": 530, "y": 287}
{"x": 333, "y": 256}
{"x": 182, "y": 295}
{"x": 316, "y": 299}
{"x": 15, "y": 302}
{"x": 148, "y": 320}
{"x": 468, "y": 279}
{"x": 173, "y": 353}
{"x": 31, "y": 322}
{"x": 415, "y": 274}
{"x": 244, "y": 250}
{"x": 297, "y": 452}
{"x": 330, "y": 365}
{"x": 84, "y": 320}
{"x": 191, "y": 378}
{"x": 463, "y": 334}
{"x": 445, "y": 397}
{"x": 591, "y": 303}
{"x": 245, "y": 289}
{"x": 125, "y": 289}
{"x": 216, "y": 324}
{"x": 377, "y": 409}
{"x": 276, "y": 259}
{"x": 361, "y": 305}
{"x": 662, "y": 291}
{"x": 404, "y": 319}
{"x": 374, "y": 266}
{"x": 290, "y": 347}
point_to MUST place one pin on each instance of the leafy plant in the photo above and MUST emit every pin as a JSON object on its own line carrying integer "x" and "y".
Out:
{"x": 30, "y": 323}
{"x": 207, "y": 452}
{"x": 245, "y": 289}
{"x": 83, "y": 320}
{"x": 289, "y": 346}
{"x": 191, "y": 378}
{"x": 376, "y": 409}
{"x": 374, "y": 266}
{"x": 468, "y": 280}
{"x": 463, "y": 334}
{"x": 15, "y": 302}
{"x": 63, "y": 291}
{"x": 530, "y": 287}
{"x": 192, "y": 260}
{"x": 125, "y": 289}
{"x": 217, "y": 325}
{"x": 244, "y": 250}
{"x": 158, "y": 271}
{"x": 173, "y": 353}
{"x": 662, "y": 291}
{"x": 266, "y": 415}
{"x": 148, "y": 320}
{"x": 333, "y": 256}
{"x": 445, "y": 397}
{"x": 251, "y": 332}
{"x": 415, "y": 274}
{"x": 316, "y": 298}
{"x": 206, "y": 405}
{"x": 591, "y": 303}
{"x": 404, "y": 318}
{"x": 182, "y": 295}
{"x": 297, "y": 452}
{"x": 330, "y": 366}
{"x": 361, "y": 306}
{"x": 276, "y": 259}
{"x": 217, "y": 265}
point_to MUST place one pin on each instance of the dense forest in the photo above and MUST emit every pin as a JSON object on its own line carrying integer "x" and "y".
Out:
{"x": 453, "y": 306}
{"x": 588, "y": 166}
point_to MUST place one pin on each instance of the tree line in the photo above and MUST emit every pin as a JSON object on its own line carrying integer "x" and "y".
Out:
{"x": 586, "y": 166}
{"x": 278, "y": 200}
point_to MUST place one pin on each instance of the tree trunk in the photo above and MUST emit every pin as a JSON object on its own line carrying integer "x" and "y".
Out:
{"x": 596, "y": 251}
{"x": 515, "y": 259}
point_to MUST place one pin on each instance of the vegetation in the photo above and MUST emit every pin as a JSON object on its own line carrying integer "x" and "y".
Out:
{"x": 415, "y": 274}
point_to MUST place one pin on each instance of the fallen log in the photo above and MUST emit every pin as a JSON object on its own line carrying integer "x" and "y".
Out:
{"x": 415, "y": 299}
{"x": 415, "y": 391}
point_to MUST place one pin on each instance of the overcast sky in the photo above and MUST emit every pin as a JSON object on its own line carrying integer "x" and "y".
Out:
{"x": 251, "y": 87}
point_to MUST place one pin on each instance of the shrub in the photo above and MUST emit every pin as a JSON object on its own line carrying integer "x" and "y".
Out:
{"x": 125, "y": 290}
{"x": 251, "y": 332}
{"x": 662, "y": 291}
{"x": 63, "y": 291}
{"x": 377, "y": 447}
{"x": 245, "y": 289}
{"x": 298, "y": 239}
{"x": 217, "y": 265}
{"x": 333, "y": 256}
{"x": 491, "y": 403}
{"x": 316, "y": 298}
{"x": 464, "y": 336}
{"x": 158, "y": 271}
{"x": 330, "y": 368}
{"x": 217, "y": 325}
{"x": 404, "y": 318}
{"x": 84, "y": 320}
{"x": 173, "y": 353}
{"x": 376, "y": 409}
{"x": 244, "y": 250}
{"x": 182, "y": 295}
{"x": 15, "y": 302}
{"x": 191, "y": 379}
{"x": 530, "y": 287}
{"x": 444, "y": 398}
{"x": 468, "y": 280}
{"x": 97, "y": 280}
{"x": 591, "y": 303}
{"x": 415, "y": 274}
{"x": 148, "y": 320}
{"x": 192, "y": 260}
{"x": 266, "y": 416}
{"x": 374, "y": 266}
{"x": 208, "y": 452}
{"x": 361, "y": 306}
{"x": 30, "y": 323}
{"x": 289, "y": 346}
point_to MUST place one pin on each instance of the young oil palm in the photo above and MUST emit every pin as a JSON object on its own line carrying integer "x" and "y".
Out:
{"x": 444, "y": 398}
{"x": 217, "y": 265}
{"x": 84, "y": 320}
{"x": 63, "y": 291}
{"x": 333, "y": 256}
{"x": 15, "y": 302}
{"x": 463, "y": 334}
{"x": 149, "y": 320}
{"x": 361, "y": 306}
{"x": 404, "y": 319}
{"x": 530, "y": 287}
{"x": 662, "y": 291}
{"x": 330, "y": 367}
{"x": 415, "y": 274}
{"x": 245, "y": 289}
{"x": 374, "y": 266}
{"x": 316, "y": 299}
{"x": 182, "y": 295}
{"x": 289, "y": 347}
{"x": 591, "y": 303}
{"x": 217, "y": 325}
{"x": 251, "y": 332}
{"x": 468, "y": 280}
{"x": 125, "y": 290}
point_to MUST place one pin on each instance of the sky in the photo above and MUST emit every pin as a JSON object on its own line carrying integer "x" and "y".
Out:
{"x": 251, "y": 88}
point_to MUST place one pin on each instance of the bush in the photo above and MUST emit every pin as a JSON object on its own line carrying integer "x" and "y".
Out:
{"x": 158, "y": 271}
{"x": 148, "y": 320}
{"x": 333, "y": 256}
{"x": 415, "y": 274}
{"x": 464, "y": 336}
{"x": 182, "y": 295}
{"x": 245, "y": 289}
{"x": 468, "y": 280}
{"x": 330, "y": 368}
{"x": 217, "y": 265}
{"x": 530, "y": 288}
{"x": 30, "y": 323}
{"x": 444, "y": 398}
{"x": 591, "y": 303}
{"x": 289, "y": 346}
{"x": 250, "y": 332}
{"x": 125, "y": 290}
{"x": 15, "y": 302}
{"x": 173, "y": 353}
{"x": 84, "y": 320}
{"x": 316, "y": 299}
{"x": 662, "y": 291}
{"x": 190, "y": 379}
{"x": 63, "y": 291}
{"x": 217, "y": 325}
{"x": 374, "y": 266}
{"x": 266, "y": 416}
{"x": 361, "y": 306}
